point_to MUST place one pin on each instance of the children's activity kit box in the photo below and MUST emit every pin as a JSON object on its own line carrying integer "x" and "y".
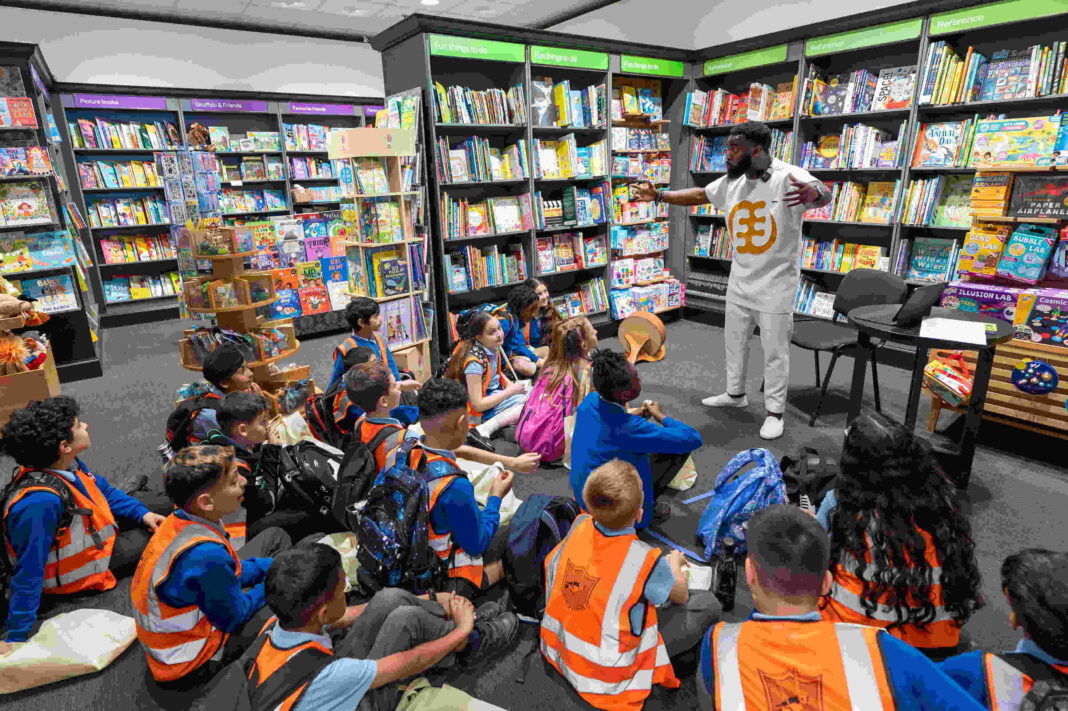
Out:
{"x": 1037, "y": 315}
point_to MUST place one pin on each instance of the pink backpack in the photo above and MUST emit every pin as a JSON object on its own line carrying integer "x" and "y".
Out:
{"x": 541, "y": 425}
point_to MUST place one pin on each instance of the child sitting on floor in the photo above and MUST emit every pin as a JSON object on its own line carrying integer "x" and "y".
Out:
{"x": 226, "y": 372}
{"x": 547, "y": 317}
{"x": 191, "y": 607}
{"x": 522, "y": 331}
{"x": 545, "y": 424}
{"x": 373, "y": 389}
{"x": 68, "y": 530}
{"x": 362, "y": 315}
{"x": 347, "y": 412}
{"x": 476, "y": 364}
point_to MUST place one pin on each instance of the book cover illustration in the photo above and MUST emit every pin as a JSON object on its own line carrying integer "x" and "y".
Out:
{"x": 54, "y": 294}
{"x": 309, "y": 274}
{"x": 937, "y": 144}
{"x": 335, "y": 269}
{"x": 391, "y": 273}
{"x": 954, "y": 205}
{"x": 1026, "y": 253}
{"x": 930, "y": 259}
{"x": 894, "y": 89}
{"x": 1040, "y": 196}
{"x": 339, "y": 294}
{"x": 878, "y": 202}
{"x": 287, "y": 305}
{"x": 25, "y": 204}
{"x": 50, "y": 249}
{"x": 397, "y": 323}
{"x": 14, "y": 252}
{"x": 982, "y": 248}
{"x": 1019, "y": 142}
{"x": 314, "y": 300}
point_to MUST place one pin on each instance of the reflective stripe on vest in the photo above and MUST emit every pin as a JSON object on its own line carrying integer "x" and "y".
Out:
{"x": 80, "y": 556}
{"x": 366, "y": 432}
{"x": 1006, "y": 685}
{"x": 487, "y": 377}
{"x": 464, "y": 566}
{"x": 344, "y": 347}
{"x": 863, "y": 675}
{"x": 236, "y": 525}
{"x": 586, "y": 631}
{"x": 176, "y": 641}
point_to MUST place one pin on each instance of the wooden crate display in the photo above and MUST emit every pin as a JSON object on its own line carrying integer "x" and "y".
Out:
{"x": 1005, "y": 403}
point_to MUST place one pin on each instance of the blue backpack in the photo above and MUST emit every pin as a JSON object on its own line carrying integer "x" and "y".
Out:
{"x": 539, "y": 524}
{"x": 737, "y": 495}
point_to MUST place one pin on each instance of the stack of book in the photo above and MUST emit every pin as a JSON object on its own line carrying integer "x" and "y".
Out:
{"x": 560, "y": 158}
{"x": 643, "y": 239}
{"x": 266, "y": 200}
{"x": 654, "y": 167}
{"x": 857, "y": 202}
{"x": 560, "y": 105}
{"x": 577, "y": 206}
{"x": 135, "y": 288}
{"x": 1038, "y": 70}
{"x": 477, "y": 268}
{"x": 720, "y": 107}
{"x": 118, "y": 174}
{"x": 21, "y": 252}
{"x": 943, "y": 201}
{"x": 222, "y": 141}
{"x": 112, "y": 135}
{"x": 813, "y": 301}
{"x": 589, "y": 298}
{"x": 713, "y": 241}
{"x": 302, "y": 168}
{"x": 639, "y": 139}
{"x": 125, "y": 249}
{"x": 460, "y": 104}
{"x": 839, "y": 256}
{"x": 858, "y": 91}
{"x": 706, "y": 209}
{"x": 474, "y": 160}
{"x": 495, "y": 215}
{"x": 633, "y": 97}
{"x": 569, "y": 251}
{"x": 708, "y": 154}
{"x": 990, "y": 194}
{"x": 858, "y": 146}
{"x": 627, "y": 210}
{"x": 307, "y": 137}
{"x": 258, "y": 168}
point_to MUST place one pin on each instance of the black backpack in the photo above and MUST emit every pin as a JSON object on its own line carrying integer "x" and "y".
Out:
{"x": 309, "y": 477}
{"x": 357, "y": 475}
{"x": 1049, "y": 692}
{"x": 540, "y": 523}
{"x": 806, "y": 473}
{"x": 319, "y": 413}
{"x": 180, "y": 421}
{"x": 394, "y": 528}
{"x": 35, "y": 478}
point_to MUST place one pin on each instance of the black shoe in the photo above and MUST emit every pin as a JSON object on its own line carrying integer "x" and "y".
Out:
{"x": 661, "y": 512}
{"x": 495, "y": 637}
{"x": 476, "y": 439}
{"x": 493, "y": 608}
{"x": 139, "y": 484}
{"x": 508, "y": 434}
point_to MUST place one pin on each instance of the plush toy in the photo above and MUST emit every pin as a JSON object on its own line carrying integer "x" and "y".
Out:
{"x": 13, "y": 306}
{"x": 198, "y": 136}
{"x": 13, "y": 354}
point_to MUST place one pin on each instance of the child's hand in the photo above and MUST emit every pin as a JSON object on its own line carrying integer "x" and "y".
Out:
{"x": 515, "y": 389}
{"x": 677, "y": 560}
{"x": 502, "y": 484}
{"x": 654, "y": 410}
{"x": 152, "y": 521}
{"x": 408, "y": 384}
{"x": 463, "y": 613}
{"x": 526, "y": 463}
{"x": 272, "y": 434}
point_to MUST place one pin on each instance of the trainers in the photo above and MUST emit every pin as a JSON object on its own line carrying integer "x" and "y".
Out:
{"x": 477, "y": 439}
{"x": 725, "y": 400}
{"x": 488, "y": 610}
{"x": 805, "y": 503}
{"x": 661, "y": 512}
{"x": 772, "y": 428}
{"x": 495, "y": 637}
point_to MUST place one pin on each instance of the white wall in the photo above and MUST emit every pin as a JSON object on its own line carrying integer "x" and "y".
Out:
{"x": 87, "y": 49}
{"x": 692, "y": 24}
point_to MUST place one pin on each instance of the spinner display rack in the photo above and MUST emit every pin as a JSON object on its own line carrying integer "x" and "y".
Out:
{"x": 72, "y": 333}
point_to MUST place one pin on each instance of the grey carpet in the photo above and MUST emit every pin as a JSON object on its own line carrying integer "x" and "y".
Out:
{"x": 1017, "y": 497}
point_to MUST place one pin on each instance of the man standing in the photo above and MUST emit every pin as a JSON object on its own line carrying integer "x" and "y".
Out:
{"x": 763, "y": 199}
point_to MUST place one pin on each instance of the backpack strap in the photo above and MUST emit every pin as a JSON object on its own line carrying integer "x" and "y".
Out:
{"x": 1035, "y": 668}
{"x": 53, "y": 482}
{"x": 383, "y": 434}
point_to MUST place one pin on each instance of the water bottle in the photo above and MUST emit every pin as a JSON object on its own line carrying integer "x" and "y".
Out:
{"x": 727, "y": 574}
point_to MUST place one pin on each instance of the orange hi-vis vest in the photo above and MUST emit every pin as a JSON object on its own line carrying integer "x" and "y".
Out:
{"x": 349, "y": 343}
{"x": 592, "y": 582}
{"x": 445, "y": 471}
{"x": 844, "y": 603}
{"x": 487, "y": 376}
{"x": 236, "y": 525}
{"x": 80, "y": 555}
{"x": 366, "y": 432}
{"x": 279, "y": 676}
{"x": 176, "y": 640}
{"x": 773, "y": 666}
{"x": 1006, "y": 685}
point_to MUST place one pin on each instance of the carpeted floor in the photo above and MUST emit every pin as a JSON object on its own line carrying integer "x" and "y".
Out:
{"x": 1018, "y": 495}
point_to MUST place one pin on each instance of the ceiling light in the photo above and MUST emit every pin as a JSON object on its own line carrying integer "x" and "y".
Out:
{"x": 353, "y": 11}
{"x": 429, "y": 3}
{"x": 297, "y": 5}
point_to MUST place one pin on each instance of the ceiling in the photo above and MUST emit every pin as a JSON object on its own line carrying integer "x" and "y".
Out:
{"x": 358, "y": 17}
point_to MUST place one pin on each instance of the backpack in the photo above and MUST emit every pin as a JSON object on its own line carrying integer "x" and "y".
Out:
{"x": 540, "y": 523}
{"x": 357, "y": 475}
{"x": 806, "y": 474}
{"x": 180, "y": 421}
{"x": 737, "y": 495}
{"x": 1050, "y": 689}
{"x": 37, "y": 477}
{"x": 309, "y": 476}
{"x": 319, "y": 414}
{"x": 394, "y": 528}
{"x": 541, "y": 424}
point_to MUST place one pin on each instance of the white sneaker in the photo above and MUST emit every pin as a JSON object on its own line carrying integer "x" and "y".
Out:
{"x": 725, "y": 400}
{"x": 772, "y": 428}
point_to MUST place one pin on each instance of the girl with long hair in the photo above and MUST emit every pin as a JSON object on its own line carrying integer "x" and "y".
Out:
{"x": 493, "y": 399}
{"x": 902, "y": 553}
{"x": 522, "y": 334}
{"x": 548, "y": 317}
{"x": 564, "y": 381}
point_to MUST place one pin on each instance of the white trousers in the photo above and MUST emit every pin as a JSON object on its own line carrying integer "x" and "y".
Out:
{"x": 775, "y": 333}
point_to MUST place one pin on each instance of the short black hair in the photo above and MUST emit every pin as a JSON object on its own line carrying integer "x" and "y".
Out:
{"x": 357, "y": 355}
{"x": 359, "y": 309}
{"x": 755, "y": 132}
{"x": 238, "y": 407}
{"x": 222, "y": 363}
{"x": 521, "y": 297}
{"x": 33, "y": 434}
{"x": 366, "y": 383}
{"x": 300, "y": 580}
{"x": 611, "y": 374}
{"x": 790, "y": 549}
{"x": 440, "y": 395}
{"x": 1036, "y": 582}
{"x": 195, "y": 469}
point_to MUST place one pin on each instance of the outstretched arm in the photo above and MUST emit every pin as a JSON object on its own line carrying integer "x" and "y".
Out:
{"x": 689, "y": 196}
{"x": 814, "y": 194}
{"x": 418, "y": 659}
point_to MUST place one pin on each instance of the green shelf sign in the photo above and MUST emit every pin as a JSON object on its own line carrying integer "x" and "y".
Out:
{"x": 468, "y": 48}
{"x": 867, "y": 37}
{"x": 745, "y": 60}
{"x": 651, "y": 65}
{"x": 563, "y": 57}
{"x": 996, "y": 13}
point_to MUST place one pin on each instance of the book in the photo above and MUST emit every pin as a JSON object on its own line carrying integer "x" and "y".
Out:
{"x": 930, "y": 259}
{"x": 25, "y": 204}
{"x": 878, "y": 202}
{"x": 287, "y": 306}
{"x": 1027, "y": 253}
{"x": 390, "y": 273}
{"x": 953, "y": 208}
{"x": 542, "y": 106}
{"x": 894, "y": 88}
{"x": 1040, "y": 196}
{"x": 866, "y": 256}
{"x": 938, "y": 144}
{"x": 314, "y": 299}
{"x": 397, "y": 327}
{"x": 14, "y": 252}
{"x": 1018, "y": 142}
{"x": 53, "y": 293}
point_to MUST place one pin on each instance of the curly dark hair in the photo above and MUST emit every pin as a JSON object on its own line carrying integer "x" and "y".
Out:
{"x": 520, "y": 298}
{"x": 613, "y": 377}
{"x": 33, "y": 434}
{"x": 755, "y": 132}
{"x": 890, "y": 489}
{"x": 1036, "y": 584}
{"x": 440, "y": 395}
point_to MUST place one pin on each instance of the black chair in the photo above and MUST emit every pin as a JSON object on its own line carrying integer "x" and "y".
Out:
{"x": 860, "y": 287}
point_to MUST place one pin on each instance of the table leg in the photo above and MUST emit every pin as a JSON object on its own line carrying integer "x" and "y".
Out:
{"x": 915, "y": 387}
{"x": 860, "y": 368}
{"x": 974, "y": 415}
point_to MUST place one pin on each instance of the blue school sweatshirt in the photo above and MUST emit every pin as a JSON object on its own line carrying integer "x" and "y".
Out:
{"x": 457, "y": 512}
{"x": 515, "y": 340}
{"x": 339, "y": 362}
{"x": 969, "y": 671}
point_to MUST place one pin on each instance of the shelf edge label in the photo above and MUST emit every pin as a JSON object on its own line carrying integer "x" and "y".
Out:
{"x": 308, "y": 107}
{"x": 107, "y": 101}
{"x": 470, "y": 48}
{"x": 226, "y": 105}
{"x": 995, "y": 13}
{"x": 867, "y": 37}
{"x": 566, "y": 57}
{"x": 651, "y": 65}
{"x": 372, "y": 109}
{"x": 745, "y": 60}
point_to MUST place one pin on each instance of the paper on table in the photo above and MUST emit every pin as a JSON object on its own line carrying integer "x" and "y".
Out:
{"x": 951, "y": 329}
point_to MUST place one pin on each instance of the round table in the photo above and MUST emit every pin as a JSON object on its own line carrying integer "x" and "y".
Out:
{"x": 869, "y": 331}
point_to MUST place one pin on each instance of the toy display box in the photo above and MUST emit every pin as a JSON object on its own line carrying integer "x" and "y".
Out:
{"x": 987, "y": 299}
{"x": 1042, "y": 317}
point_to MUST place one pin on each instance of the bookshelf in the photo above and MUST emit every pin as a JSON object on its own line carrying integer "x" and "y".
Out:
{"x": 313, "y": 178}
{"x": 45, "y": 257}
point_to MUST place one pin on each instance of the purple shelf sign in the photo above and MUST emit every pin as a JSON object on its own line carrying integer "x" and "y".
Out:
{"x": 108, "y": 101}
{"x": 305, "y": 107}
{"x": 226, "y": 105}
{"x": 372, "y": 110}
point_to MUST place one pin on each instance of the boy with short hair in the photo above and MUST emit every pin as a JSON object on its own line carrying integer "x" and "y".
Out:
{"x": 51, "y": 556}
{"x": 362, "y": 315}
{"x": 593, "y": 575}
{"x": 226, "y": 372}
{"x": 191, "y": 606}
{"x": 779, "y": 653}
{"x": 374, "y": 390}
{"x": 295, "y": 665}
{"x": 1035, "y": 583}
{"x": 346, "y": 412}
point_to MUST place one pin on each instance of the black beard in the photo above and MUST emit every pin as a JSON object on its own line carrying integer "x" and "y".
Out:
{"x": 740, "y": 168}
